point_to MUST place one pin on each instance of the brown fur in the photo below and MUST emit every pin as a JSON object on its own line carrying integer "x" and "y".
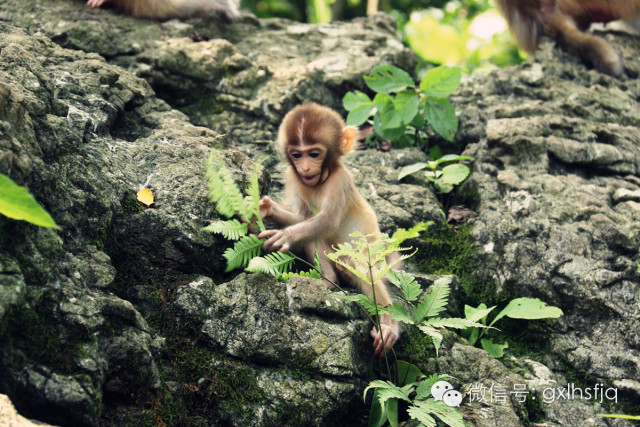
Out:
{"x": 327, "y": 208}
{"x": 566, "y": 22}
{"x": 166, "y": 9}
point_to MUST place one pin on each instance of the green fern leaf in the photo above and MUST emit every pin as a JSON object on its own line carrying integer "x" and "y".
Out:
{"x": 411, "y": 290}
{"x": 223, "y": 190}
{"x": 422, "y": 415}
{"x": 313, "y": 274}
{"x": 452, "y": 322}
{"x": 401, "y": 234}
{"x": 231, "y": 230}
{"x": 434, "y": 302}
{"x": 252, "y": 200}
{"x": 450, "y": 416}
{"x": 243, "y": 251}
{"x": 275, "y": 263}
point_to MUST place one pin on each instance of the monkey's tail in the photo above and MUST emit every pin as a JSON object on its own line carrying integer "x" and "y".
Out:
{"x": 165, "y": 9}
{"x": 524, "y": 22}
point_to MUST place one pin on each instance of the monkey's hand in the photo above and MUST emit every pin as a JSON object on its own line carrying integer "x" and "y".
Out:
{"x": 390, "y": 332}
{"x": 95, "y": 3}
{"x": 266, "y": 207}
{"x": 280, "y": 240}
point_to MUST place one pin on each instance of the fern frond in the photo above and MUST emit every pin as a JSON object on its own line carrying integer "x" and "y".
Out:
{"x": 435, "y": 301}
{"x": 252, "y": 200}
{"x": 313, "y": 274}
{"x": 452, "y": 322}
{"x": 448, "y": 415}
{"x": 244, "y": 249}
{"x": 275, "y": 263}
{"x": 231, "y": 230}
{"x": 223, "y": 190}
{"x": 401, "y": 234}
{"x": 411, "y": 289}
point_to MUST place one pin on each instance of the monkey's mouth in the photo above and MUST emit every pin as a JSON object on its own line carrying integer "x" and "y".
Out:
{"x": 309, "y": 180}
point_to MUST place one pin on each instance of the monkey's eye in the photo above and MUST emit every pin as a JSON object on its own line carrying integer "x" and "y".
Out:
{"x": 296, "y": 155}
{"x": 314, "y": 154}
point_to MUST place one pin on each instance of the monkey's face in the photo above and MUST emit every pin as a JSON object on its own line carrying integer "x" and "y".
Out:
{"x": 308, "y": 160}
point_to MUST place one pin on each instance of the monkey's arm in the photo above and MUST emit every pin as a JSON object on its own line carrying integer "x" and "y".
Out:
{"x": 279, "y": 213}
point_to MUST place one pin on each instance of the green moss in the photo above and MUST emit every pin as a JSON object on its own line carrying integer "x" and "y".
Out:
{"x": 130, "y": 204}
{"x": 30, "y": 331}
{"x": 447, "y": 251}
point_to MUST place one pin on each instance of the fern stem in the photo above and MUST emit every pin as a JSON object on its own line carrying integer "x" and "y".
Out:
{"x": 377, "y": 321}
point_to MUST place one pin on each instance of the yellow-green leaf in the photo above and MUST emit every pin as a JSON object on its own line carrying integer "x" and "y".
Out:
{"x": 17, "y": 203}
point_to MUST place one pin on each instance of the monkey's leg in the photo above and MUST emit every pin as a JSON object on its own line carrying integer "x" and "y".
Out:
{"x": 326, "y": 265}
{"x": 588, "y": 47}
{"x": 390, "y": 329}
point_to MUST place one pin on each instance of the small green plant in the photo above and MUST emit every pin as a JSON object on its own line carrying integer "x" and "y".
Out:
{"x": 519, "y": 308}
{"x": 247, "y": 250}
{"x": 17, "y": 203}
{"x": 414, "y": 388}
{"x": 401, "y": 110}
{"x": 443, "y": 177}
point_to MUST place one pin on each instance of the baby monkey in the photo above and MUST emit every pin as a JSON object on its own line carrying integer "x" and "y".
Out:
{"x": 323, "y": 206}
{"x": 166, "y": 9}
{"x": 566, "y": 21}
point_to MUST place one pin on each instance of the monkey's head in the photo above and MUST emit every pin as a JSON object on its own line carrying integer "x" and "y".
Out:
{"x": 313, "y": 138}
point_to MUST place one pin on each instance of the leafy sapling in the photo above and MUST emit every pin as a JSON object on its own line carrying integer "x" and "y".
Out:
{"x": 401, "y": 110}
{"x": 444, "y": 178}
{"x": 519, "y": 308}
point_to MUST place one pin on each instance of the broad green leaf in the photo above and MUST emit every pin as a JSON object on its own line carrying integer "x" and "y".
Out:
{"x": 442, "y": 117}
{"x": 377, "y": 413}
{"x": 390, "y": 116}
{"x": 407, "y": 104}
{"x": 476, "y": 314}
{"x": 409, "y": 169}
{"x": 17, "y": 203}
{"x": 388, "y": 79}
{"x": 472, "y": 335}
{"x": 390, "y": 134}
{"x": 451, "y": 158}
{"x": 440, "y": 81}
{"x": 528, "y": 308}
{"x": 354, "y": 99}
{"x": 360, "y": 114}
{"x": 392, "y": 412}
{"x": 407, "y": 373}
{"x": 455, "y": 174}
{"x": 495, "y": 350}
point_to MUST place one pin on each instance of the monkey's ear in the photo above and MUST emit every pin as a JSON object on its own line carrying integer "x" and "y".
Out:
{"x": 349, "y": 136}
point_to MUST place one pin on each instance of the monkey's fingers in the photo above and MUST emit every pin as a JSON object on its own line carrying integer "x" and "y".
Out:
{"x": 95, "y": 3}
{"x": 390, "y": 338}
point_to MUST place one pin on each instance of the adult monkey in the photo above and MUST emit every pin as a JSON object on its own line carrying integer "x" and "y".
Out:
{"x": 566, "y": 22}
{"x": 165, "y": 9}
{"x": 323, "y": 207}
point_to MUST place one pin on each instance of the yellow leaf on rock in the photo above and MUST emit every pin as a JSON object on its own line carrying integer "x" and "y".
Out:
{"x": 145, "y": 196}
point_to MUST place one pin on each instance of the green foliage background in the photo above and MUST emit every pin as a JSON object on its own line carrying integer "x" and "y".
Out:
{"x": 467, "y": 33}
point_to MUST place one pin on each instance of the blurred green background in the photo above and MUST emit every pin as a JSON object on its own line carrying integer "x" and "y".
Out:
{"x": 471, "y": 34}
